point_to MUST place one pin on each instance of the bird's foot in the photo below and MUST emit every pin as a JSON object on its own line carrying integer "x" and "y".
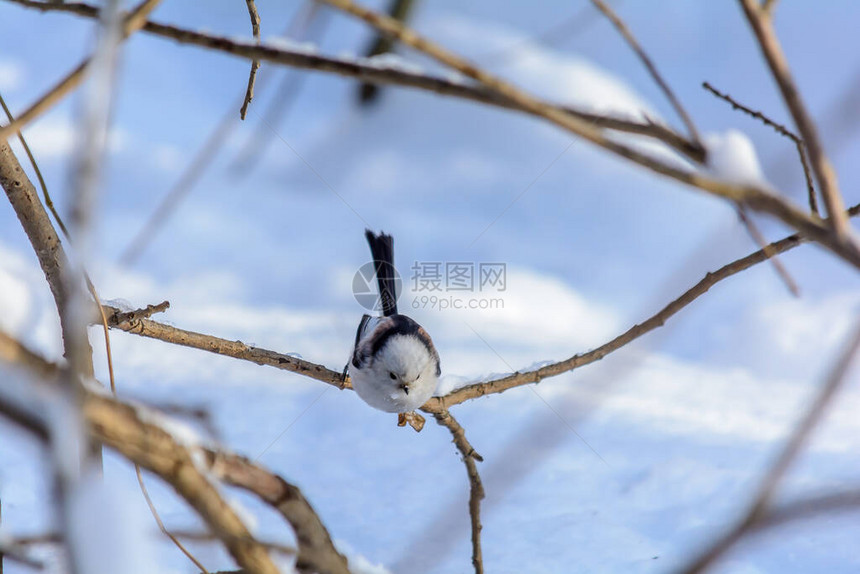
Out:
{"x": 415, "y": 420}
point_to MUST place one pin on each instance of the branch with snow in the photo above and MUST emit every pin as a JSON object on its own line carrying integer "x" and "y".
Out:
{"x": 238, "y": 350}
{"x": 375, "y": 71}
{"x": 147, "y": 438}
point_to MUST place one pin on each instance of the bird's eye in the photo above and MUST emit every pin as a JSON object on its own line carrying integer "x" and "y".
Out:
{"x": 393, "y": 376}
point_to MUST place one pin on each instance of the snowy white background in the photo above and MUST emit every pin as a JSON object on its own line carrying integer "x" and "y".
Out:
{"x": 626, "y": 465}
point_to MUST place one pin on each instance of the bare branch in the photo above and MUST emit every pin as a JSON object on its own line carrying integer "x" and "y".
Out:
{"x": 255, "y": 64}
{"x": 43, "y": 238}
{"x": 759, "y": 239}
{"x": 476, "y": 488}
{"x": 780, "y": 129}
{"x": 758, "y": 510}
{"x": 154, "y": 511}
{"x": 117, "y": 317}
{"x": 763, "y": 28}
{"x": 11, "y": 550}
{"x": 316, "y": 550}
{"x": 649, "y": 65}
{"x": 235, "y": 349}
{"x": 208, "y": 537}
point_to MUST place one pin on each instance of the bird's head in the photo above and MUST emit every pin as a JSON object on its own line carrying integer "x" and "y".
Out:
{"x": 408, "y": 363}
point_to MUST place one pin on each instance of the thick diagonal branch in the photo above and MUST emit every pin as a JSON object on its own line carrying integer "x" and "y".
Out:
{"x": 316, "y": 550}
{"x": 121, "y": 427}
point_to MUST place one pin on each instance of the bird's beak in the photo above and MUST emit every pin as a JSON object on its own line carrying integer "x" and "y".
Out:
{"x": 405, "y": 388}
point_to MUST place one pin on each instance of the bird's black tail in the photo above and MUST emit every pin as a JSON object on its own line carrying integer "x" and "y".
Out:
{"x": 382, "y": 249}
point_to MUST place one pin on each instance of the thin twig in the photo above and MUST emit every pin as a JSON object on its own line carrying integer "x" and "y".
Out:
{"x": 476, "y": 488}
{"x": 762, "y": 26}
{"x": 255, "y": 64}
{"x": 780, "y": 129}
{"x": 649, "y": 65}
{"x": 117, "y": 317}
{"x": 762, "y": 243}
{"x": 796, "y": 442}
{"x": 299, "y": 29}
{"x": 154, "y": 511}
{"x": 133, "y": 22}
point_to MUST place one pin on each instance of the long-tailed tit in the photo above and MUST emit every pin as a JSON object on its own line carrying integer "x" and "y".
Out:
{"x": 394, "y": 366}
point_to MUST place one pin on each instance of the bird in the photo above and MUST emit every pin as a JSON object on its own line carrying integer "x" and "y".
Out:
{"x": 394, "y": 365}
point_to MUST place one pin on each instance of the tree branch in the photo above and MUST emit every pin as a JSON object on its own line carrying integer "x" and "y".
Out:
{"x": 135, "y": 433}
{"x": 364, "y": 71}
{"x": 255, "y": 64}
{"x": 43, "y": 238}
{"x": 780, "y": 129}
{"x": 649, "y": 65}
{"x": 476, "y": 488}
{"x": 316, "y": 550}
{"x": 762, "y": 26}
{"x": 121, "y": 427}
{"x": 236, "y": 349}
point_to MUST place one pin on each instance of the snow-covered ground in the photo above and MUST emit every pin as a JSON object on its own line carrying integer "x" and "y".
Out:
{"x": 627, "y": 465}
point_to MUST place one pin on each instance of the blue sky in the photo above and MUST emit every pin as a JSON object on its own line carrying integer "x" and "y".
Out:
{"x": 592, "y": 246}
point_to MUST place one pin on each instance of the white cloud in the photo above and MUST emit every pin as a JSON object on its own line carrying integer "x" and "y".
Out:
{"x": 167, "y": 157}
{"x": 53, "y": 138}
{"x": 565, "y": 78}
{"x": 10, "y": 75}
